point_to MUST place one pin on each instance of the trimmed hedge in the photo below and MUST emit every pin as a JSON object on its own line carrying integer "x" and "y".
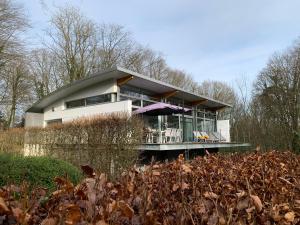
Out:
{"x": 37, "y": 171}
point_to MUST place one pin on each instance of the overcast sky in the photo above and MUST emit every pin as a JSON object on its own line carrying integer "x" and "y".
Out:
{"x": 213, "y": 39}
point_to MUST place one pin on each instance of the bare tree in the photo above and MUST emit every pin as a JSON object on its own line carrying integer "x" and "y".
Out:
{"x": 44, "y": 74}
{"x": 12, "y": 22}
{"x": 115, "y": 46}
{"x": 16, "y": 83}
{"x": 73, "y": 43}
{"x": 217, "y": 90}
{"x": 278, "y": 93}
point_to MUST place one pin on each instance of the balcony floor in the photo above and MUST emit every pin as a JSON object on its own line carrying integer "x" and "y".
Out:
{"x": 189, "y": 146}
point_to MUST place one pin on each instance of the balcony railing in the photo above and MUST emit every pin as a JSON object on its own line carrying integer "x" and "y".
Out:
{"x": 174, "y": 135}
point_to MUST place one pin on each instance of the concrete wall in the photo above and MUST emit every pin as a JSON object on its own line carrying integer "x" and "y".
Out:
{"x": 223, "y": 127}
{"x": 58, "y": 110}
{"x": 34, "y": 119}
{"x": 105, "y": 87}
{"x": 113, "y": 107}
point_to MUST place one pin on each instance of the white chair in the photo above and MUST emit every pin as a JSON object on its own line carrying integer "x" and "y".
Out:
{"x": 167, "y": 137}
{"x": 219, "y": 136}
{"x": 178, "y": 136}
{"x": 195, "y": 135}
{"x": 149, "y": 137}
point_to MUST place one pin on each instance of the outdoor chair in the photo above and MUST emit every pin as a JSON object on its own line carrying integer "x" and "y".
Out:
{"x": 213, "y": 137}
{"x": 178, "y": 136}
{"x": 168, "y": 135}
{"x": 198, "y": 137}
{"x": 207, "y": 138}
{"x": 149, "y": 136}
{"x": 219, "y": 136}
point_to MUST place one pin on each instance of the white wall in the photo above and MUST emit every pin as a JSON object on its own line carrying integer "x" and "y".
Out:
{"x": 105, "y": 87}
{"x": 223, "y": 127}
{"x": 60, "y": 111}
{"x": 113, "y": 107}
{"x": 34, "y": 119}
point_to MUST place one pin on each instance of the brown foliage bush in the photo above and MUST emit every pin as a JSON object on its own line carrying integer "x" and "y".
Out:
{"x": 12, "y": 141}
{"x": 255, "y": 188}
{"x": 106, "y": 142}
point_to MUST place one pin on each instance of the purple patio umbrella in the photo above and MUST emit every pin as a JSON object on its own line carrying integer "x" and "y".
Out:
{"x": 160, "y": 108}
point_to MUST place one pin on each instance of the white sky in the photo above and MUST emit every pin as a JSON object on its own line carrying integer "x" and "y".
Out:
{"x": 213, "y": 39}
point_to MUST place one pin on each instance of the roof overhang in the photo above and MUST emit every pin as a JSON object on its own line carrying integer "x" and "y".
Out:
{"x": 131, "y": 78}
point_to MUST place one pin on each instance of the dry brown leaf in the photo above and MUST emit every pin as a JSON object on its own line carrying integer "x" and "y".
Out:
{"x": 290, "y": 216}
{"x": 112, "y": 206}
{"x": 184, "y": 186}
{"x": 130, "y": 187}
{"x": 88, "y": 171}
{"x": 241, "y": 194}
{"x": 73, "y": 215}
{"x": 49, "y": 221}
{"x": 156, "y": 173}
{"x": 175, "y": 187}
{"x": 3, "y": 206}
{"x": 186, "y": 168}
{"x": 101, "y": 222}
{"x": 210, "y": 195}
{"x": 155, "y": 166}
{"x": 242, "y": 204}
{"x": 257, "y": 202}
{"x": 126, "y": 209}
{"x": 18, "y": 214}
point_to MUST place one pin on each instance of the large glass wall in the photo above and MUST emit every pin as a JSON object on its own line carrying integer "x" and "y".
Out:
{"x": 198, "y": 119}
{"x": 139, "y": 97}
{"x": 205, "y": 120}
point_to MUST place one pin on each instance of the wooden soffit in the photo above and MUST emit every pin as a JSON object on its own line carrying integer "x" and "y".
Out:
{"x": 221, "y": 108}
{"x": 198, "y": 102}
{"x": 165, "y": 95}
{"x": 124, "y": 80}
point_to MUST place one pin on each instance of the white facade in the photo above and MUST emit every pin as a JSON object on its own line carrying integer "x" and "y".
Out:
{"x": 34, "y": 119}
{"x": 101, "y": 93}
{"x": 59, "y": 111}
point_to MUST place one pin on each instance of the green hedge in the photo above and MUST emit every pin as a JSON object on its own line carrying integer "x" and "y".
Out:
{"x": 37, "y": 171}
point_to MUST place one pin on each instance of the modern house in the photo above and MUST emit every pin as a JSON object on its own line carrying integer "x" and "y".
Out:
{"x": 121, "y": 90}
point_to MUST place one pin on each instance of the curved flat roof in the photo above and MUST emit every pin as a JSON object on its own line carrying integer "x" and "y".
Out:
{"x": 139, "y": 80}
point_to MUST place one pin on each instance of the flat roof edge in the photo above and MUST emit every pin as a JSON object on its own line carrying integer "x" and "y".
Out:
{"x": 35, "y": 107}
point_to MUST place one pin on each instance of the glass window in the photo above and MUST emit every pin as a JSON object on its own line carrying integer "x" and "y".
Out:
{"x": 98, "y": 99}
{"x": 200, "y": 124}
{"x": 145, "y": 103}
{"x": 200, "y": 114}
{"x": 209, "y": 126}
{"x": 151, "y": 122}
{"x": 173, "y": 121}
{"x": 130, "y": 91}
{"x": 75, "y": 103}
{"x": 135, "y": 102}
{"x": 54, "y": 122}
{"x": 136, "y": 93}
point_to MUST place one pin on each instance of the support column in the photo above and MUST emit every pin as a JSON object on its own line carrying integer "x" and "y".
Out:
{"x": 159, "y": 129}
{"x": 183, "y": 123}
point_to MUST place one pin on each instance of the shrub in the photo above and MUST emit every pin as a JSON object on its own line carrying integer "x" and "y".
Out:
{"x": 256, "y": 188}
{"x": 12, "y": 140}
{"x": 107, "y": 142}
{"x": 37, "y": 171}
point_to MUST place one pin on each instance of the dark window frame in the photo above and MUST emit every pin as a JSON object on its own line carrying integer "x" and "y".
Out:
{"x": 85, "y": 101}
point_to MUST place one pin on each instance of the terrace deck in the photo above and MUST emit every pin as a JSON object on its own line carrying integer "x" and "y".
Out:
{"x": 190, "y": 146}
